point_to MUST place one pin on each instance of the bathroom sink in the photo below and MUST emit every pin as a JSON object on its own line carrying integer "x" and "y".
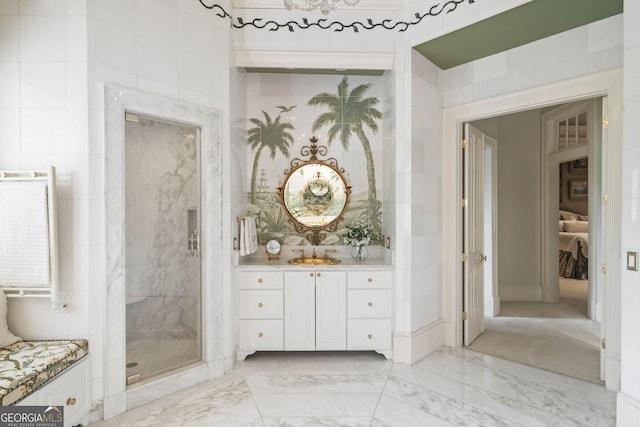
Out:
{"x": 314, "y": 261}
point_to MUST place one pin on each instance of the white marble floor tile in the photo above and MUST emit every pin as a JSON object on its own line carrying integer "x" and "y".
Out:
{"x": 325, "y": 362}
{"x": 327, "y": 383}
{"x": 317, "y": 405}
{"x": 405, "y": 379}
{"x": 312, "y": 422}
{"x": 587, "y": 403}
{"x": 396, "y": 413}
{"x": 450, "y": 387}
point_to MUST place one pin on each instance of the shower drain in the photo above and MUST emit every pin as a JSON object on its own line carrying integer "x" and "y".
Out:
{"x": 132, "y": 364}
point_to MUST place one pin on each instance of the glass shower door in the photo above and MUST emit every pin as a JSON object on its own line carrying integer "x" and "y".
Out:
{"x": 162, "y": 262}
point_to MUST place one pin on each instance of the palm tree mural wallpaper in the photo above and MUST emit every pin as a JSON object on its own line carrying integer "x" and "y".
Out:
{"x": 273, "y": 135}
{"x": 350, "y": 115}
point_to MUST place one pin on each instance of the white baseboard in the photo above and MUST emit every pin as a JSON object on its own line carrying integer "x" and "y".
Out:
{"x": 628, "y": 413}
{"x": 520, "y": 293}
{"x": 411, "y": 347}
{"x": 115, "y": 404}
{"x": 142, "y": 393}
{"x": 612, "y": 380}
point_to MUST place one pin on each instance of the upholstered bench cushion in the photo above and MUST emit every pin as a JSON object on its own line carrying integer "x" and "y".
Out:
{"x": 26, "y": 366}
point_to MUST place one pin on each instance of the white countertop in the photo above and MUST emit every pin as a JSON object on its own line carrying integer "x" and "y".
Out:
{"x": 345, "y": 264}
{"x": 379, "y": 259}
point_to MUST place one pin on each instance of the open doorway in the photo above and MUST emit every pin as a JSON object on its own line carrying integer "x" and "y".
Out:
{"x": 557, "y": 336}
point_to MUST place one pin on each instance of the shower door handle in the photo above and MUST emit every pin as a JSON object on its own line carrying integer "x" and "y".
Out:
{"x": 193, "y": 235}
{"x": 195, "y": 251}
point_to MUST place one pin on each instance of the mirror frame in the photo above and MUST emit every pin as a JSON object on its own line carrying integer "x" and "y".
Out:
{"x": 312, "y": 151}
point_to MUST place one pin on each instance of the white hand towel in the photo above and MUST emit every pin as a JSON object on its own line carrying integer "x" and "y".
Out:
{"x": 24, "y": 235}
{"x": 248, "y": 235}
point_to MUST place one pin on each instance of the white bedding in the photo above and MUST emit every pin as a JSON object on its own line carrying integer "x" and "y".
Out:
{"x": 568, "y": 242}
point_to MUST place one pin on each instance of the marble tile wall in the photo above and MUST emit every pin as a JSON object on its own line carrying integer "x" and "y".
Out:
{"x": 629, "y": 398}
{"x": 43, "y": 62}
{"x": 581, "y": 51}
{"x": 178, "y": 50}
{"x": 163, "y": 184}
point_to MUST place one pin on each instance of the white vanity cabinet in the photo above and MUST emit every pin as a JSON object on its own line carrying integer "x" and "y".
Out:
{"x": 309, "y": 310}
{"x": 315, "y": 310}
{"x": 260, "y": 312}
{"x": 369, "y": 311}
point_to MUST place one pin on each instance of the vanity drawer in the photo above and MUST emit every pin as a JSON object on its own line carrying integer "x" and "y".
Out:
{"x": 369, "y": 303}
{"x": 260, "y": 280}
{"x": 369, "y": 279}
{"x": 261, "y": 335}
{"x": 368, "y": 334}
{"x": 257, "y": 304}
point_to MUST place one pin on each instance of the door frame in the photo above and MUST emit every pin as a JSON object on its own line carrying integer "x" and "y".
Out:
{"x": 551, "y": 160}
{"x": 491, "y": 143}
{"x": 608, "y": 84}
{"x": 117, "y": 100}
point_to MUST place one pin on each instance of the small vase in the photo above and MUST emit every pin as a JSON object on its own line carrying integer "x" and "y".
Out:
{"x": 360, "y": 252}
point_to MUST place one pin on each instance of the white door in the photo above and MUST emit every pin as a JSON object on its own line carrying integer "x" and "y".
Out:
{"x": 473, "y": 169}
{"x": 299, "y": 311}
{"x": 331, "y": 310}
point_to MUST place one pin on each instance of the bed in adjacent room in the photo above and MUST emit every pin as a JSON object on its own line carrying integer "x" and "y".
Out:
{"x": 573, "y": 245}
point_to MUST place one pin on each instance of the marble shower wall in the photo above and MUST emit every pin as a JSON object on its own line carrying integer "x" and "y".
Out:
{"x": 161, "y": 185}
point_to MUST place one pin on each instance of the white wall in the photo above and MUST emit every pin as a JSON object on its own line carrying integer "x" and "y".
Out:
{"x": 426, "y": 192}
{"x": 175, "y": 49}
{"x": 519, "y": 206}
{"x": 418, "y": 221}
{"x": 519, "y": 203}
{"x": 43, "y": 121}
{"x": 629, "y": 397}
{"x": 510, "y": 81}
{"x": 581, "y": 51}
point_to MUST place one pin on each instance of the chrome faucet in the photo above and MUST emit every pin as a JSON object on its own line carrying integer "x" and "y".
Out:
{"x": 313, "y": 255}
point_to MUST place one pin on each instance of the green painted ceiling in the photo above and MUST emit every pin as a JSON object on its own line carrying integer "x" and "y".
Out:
{"x": 518, "y": 26}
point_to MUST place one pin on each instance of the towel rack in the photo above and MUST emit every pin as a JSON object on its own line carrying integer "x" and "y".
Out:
{"x": 52, "y": 291}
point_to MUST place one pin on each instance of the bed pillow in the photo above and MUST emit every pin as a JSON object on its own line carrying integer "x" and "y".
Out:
{"x": 561, "y": 225}
{"x": 577, "y": 227}
{"x": 583, "y": 217}
{"x": 568, "y": 215}
{"x": 6, "y": 337}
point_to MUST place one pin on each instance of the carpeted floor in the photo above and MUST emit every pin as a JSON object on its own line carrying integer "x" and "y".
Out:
{"x": 557, "y": 337}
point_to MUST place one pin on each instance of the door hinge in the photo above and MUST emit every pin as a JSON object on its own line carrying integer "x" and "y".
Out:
{"x": 604, "y": 343}
{"x": 464, "y": 203}
{"x": 465, "y": 316}
{"x": 605, "y": 122}
{"x": 131, "y": 117}
{"x": 604, "y": 268}
{"x": 465, "y": 257}
{"x": 605, "y": 198}
{"x": 465, "y": 144}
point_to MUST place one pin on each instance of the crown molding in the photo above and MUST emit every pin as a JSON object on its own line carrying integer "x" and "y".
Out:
{"x": 292, "y": 60}
{"x": 363, "y": 5}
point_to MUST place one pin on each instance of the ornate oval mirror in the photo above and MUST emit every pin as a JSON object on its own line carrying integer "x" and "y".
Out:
{"x": 315, "y": 193}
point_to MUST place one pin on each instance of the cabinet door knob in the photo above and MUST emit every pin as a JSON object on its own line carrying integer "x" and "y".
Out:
{"x": 369, "y": 280}
{"x": 260, "y": 304}
{"x": 260, "y": 334}
{"x": 259, "y": 280}
{"x": 369, "y": 336}
{"x": 311, "y": 274}
{"x": 71, "y": 401}
{"x": 370, "y": 304}
{"x": 318, "y": 274}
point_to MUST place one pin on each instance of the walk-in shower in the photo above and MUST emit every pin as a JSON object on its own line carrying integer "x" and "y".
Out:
{"x": 162, "y": 266}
